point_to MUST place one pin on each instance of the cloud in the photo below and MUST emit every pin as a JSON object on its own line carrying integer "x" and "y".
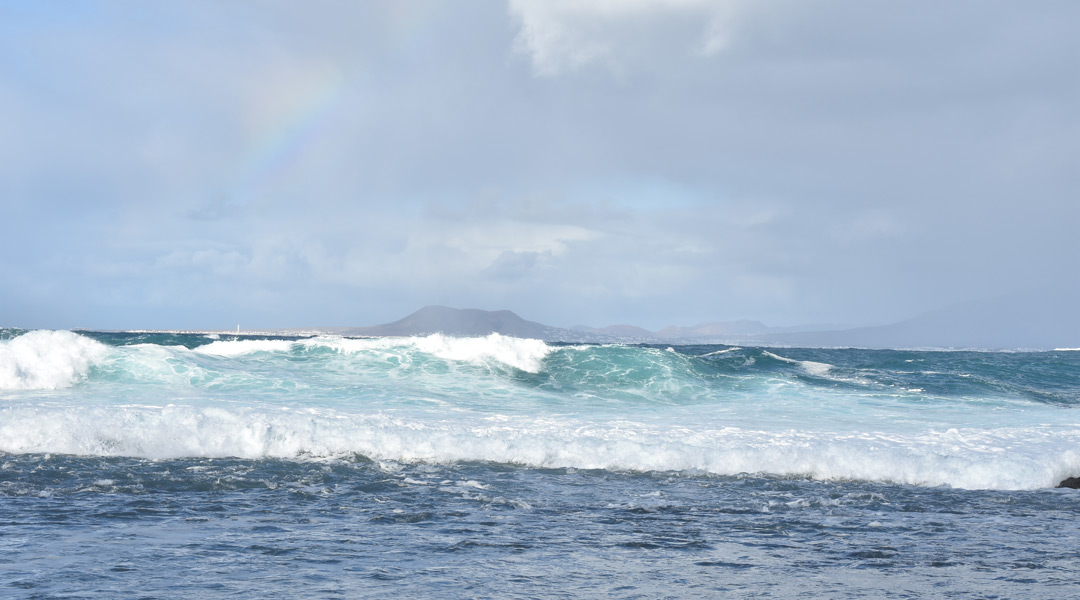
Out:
{"x": 512, "y": 265}
{"x": 563, "y": 35}
{"x": 639, "y": 161}
{"x": 490, "y": 238}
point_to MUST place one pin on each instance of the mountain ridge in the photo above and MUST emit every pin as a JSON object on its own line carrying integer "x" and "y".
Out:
{"x": 459, "y": 322}
{"x": 1031, "y": 321}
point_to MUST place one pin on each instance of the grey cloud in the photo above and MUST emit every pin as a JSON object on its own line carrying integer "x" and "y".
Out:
{"x": 511, "y": 265}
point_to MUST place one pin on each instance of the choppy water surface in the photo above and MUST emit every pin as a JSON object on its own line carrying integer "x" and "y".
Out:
{"x": 160, "y": 466}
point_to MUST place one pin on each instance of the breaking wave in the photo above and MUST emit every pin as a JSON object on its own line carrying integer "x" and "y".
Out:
{"x": 1008, "y": 458}
{"x": 47, "y": 360}
{"x": 523, "y": 354}
{"x": 973, "y": 420}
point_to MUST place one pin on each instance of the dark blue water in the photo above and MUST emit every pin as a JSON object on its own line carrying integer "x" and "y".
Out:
{"x": 202, "y": 528}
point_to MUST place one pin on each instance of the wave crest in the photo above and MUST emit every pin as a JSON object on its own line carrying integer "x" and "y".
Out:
{"x": 1008, "y": 458}
{"x": 47, "y": 360}
{"x": 521, "y": 353}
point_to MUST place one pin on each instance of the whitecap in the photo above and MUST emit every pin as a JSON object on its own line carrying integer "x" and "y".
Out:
{"x": 242, "y": 347}
{"x": 1032, "y": 457}
{"x": 47, "y": 360}
{"x": 521, "y": 353}
{"x": 817, "y": 369}
{"x": 725, "y": 351}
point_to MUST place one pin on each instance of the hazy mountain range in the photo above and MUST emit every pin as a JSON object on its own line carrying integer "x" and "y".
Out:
{"x": 1033, "y": 321}
{"x": 463, "y": 322}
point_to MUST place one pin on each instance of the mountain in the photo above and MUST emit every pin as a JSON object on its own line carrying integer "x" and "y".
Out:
{"x": 720, "y": 329}
{"x": 617, "y": 331}
{"x": 461, "y": 322}
{"x": 1035, "y": 320}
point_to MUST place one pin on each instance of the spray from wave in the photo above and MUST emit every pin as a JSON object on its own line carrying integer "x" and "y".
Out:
{"x": 1008, "y": 458}
{"x": 47, "y": 360}
{"x": 522, "y": 354}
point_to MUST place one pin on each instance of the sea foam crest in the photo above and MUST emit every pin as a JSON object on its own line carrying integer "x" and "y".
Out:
{"x": 811, "y": 367}
{"x": 242, "y": 347}
{"x": 523, "y": 354}
{"x": 47, "y": 360}
{"x": 520, "y": 353}
{"x": 1009, "y": 458}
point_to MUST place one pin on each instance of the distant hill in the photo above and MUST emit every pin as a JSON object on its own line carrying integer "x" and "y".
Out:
{"x": 617, "y": 331}
{"x": 461, "y": 322}
{"x": 1043, "y": 320}
{"x": 476, "y": 322}
{"x": 739, "y": 328}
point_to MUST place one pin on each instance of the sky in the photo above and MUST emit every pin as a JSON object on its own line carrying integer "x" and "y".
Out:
{"x": 208, "y": 163}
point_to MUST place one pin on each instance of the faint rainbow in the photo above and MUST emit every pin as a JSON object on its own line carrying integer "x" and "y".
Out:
{"x": 284, "y": 141}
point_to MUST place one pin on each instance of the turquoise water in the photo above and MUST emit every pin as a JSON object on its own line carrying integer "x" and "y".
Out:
{"x": 158, "y": 465}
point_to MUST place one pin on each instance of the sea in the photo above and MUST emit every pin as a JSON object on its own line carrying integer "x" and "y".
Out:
{"x": 193, "y": 465}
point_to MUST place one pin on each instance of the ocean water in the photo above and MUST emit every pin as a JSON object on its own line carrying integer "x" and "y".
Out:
{"x": 151, "y": 465}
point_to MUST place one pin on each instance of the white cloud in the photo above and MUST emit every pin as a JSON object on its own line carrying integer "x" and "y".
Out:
{"x": 564, "y": 35}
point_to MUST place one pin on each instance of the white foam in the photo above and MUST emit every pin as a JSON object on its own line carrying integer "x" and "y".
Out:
{"x": 520, "y": 353}
{"x": 1002, "y": 458}
{"x": 523, "y": 354}
{"x": 816, "y": 369}
{"x": 242, "y": 347}
{"x": 47, "y": 360}
{"x": 724, "y": 351}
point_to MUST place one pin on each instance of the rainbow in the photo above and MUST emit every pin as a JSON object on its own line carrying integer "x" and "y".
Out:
{"x": 268, "y": 162}
{"x": 279, "y": 147}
